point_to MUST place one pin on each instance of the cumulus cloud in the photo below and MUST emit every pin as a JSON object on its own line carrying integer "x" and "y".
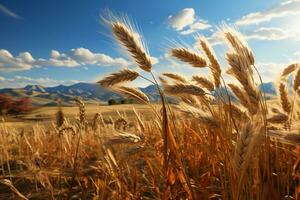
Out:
{"x": 73, "y": 58}
{"x": 8, "y": 12}
{"x": 268, "y": 33}
{"x": 186, "y": 22}
{"x": 182, "y": 19}
{"x": 290, "y": 7}
{"x": 10, "y": 63}
{"x": 86, "y": 57}
{"x": 199, "y": 25}
{"x": 269, "y": 70}
{"x": 21, "y": 81}
{"x": 263, "y": 33}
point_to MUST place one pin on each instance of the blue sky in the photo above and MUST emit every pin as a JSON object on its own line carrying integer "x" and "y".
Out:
{"x": 62, "y": 42}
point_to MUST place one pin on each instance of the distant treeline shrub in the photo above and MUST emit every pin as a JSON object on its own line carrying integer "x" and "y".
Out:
{"x": 9, "y": 105}
{"x": 122, "y": 101}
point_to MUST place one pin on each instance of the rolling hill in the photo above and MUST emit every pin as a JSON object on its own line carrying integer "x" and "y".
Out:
{"x": 90, "y": 92}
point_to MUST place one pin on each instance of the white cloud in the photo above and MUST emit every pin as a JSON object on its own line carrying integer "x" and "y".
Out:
{"x": 186, "y": 22}
{"x": 21, "y": 81}
{"x": 269, "y": 70}
{"x": 154, "y": 60}
{"x": 290, "y": 7}
{"x": 199, "y": 25}
{"x": 75, "y": 57}
{"x": 86, "y": 57}
{"x": 8, "y": 12}
{"x": 182, "y": 19}
{"x": 268, "y": 33}
{"x": 263, "y": 33}
{"x": 10, "y": 63}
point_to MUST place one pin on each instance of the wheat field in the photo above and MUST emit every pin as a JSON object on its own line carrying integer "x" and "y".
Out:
{"x": 207, "y": 146}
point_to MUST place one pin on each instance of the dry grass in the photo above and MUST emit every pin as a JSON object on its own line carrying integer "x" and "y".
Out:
{"x": 210, "y": 148}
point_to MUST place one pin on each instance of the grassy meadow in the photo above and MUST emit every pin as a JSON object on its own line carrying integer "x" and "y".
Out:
{"x": 207, "y": 146}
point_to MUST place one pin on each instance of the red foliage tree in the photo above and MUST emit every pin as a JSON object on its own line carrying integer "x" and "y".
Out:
{"x": 5, "y": 103}
{"x": 21, "y": 106}
{"x": 9, "y": 105}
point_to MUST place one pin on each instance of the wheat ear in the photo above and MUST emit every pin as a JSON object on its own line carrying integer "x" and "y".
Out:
{"x": 82, "y": 110}
{"x": 239, "y": 45}
{"x": 176, "y": 77}
{"x": 242, "y": 97}
{"x": 60, "y": 118}
{"x": 245, "y": 145}
{"x": 189, "y": 57}
{"x": 297, "y": 81}
{"x": 288, "y": 70}
{"x": 128, "y": 40}
{"x": 214, "y": 64}
{"x": 284, "y": 99}
{"x": 204, "y": 82}
{"x": 133, "y": 93}
{"x": 278, "y": 118}
{"x": 180, "y": 88}
{"x": 119, "y": 77}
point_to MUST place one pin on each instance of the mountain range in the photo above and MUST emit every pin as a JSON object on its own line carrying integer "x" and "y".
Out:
{"x": 90, "y": 92}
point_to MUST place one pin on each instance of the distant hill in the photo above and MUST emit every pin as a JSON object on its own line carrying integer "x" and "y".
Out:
{"x": 268, "y": 88}
{"x": 90, "y": 92}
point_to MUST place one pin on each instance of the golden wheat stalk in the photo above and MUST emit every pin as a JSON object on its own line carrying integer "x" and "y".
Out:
{"x": 133, "y": 93}
{"x": 214, "y": 64}
{"x": 176, "y": 77}
{"x": 288, "y": 70}
{"x": 122, "y": 138}
{"x": 180, "y": 88}
{"x": 82, "y": 110}
{"x": 60, "y": 118}
{"x": 249, "y": 138}
{"x": 241, "y": 62}
{"x": 13, "y": 188}
{"x": 133, "y": 150}
{"x": 140, "y": 121}
{"x": 297, "y": 81}
{"x": 240, "y": 70}
{"x": 278, "y": 118}
{"x": 235, "y": 111}
{"x": 198, "y": 115}
{"x": 126, "y": 36}
{"x": 163, "y": 80}
{"x": 119, "y": 77}
{"x": 189, "y": 99}
{"x": 243, "y": 98}
{"x": 189, "y": 57}
{"x": 291, "y": 137}
{"x": 239, "y": 45}
{"x": 284, "y": 98}
{"x": 204, "y": 82}
{"x": 96, "y": 121}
